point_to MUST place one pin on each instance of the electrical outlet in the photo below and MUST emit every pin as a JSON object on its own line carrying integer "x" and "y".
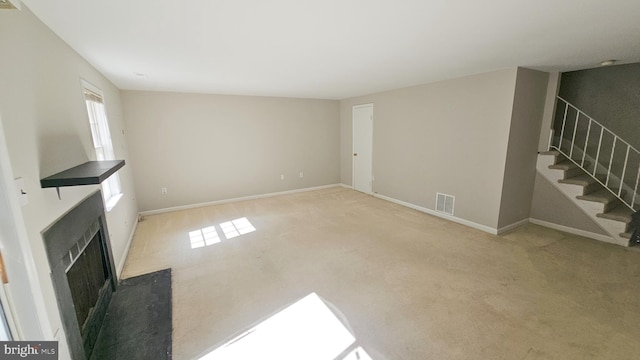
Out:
{"x": 301, "y": 174}
{"x": 281, "y": 176}
{"x": 163, "y": 191}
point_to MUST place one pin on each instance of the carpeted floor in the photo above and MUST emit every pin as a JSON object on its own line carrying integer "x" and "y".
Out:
{"x": 138, "y": 322}
{"x": 409, "y": 285}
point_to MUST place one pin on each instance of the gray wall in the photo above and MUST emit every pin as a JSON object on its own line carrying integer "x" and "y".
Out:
{"x": 448, "y": 137}
{"x": 47, "y": 130}
{"x": 553, "y": 87}
{"x": 205, "y": 148}
{"x": 551, "y": 205}
{"x": 522, "y": 151}
{"x": 610, "y": 95}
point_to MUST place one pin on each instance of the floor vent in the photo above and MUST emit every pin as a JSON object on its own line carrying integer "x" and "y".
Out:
{"x": 444, "y": 203}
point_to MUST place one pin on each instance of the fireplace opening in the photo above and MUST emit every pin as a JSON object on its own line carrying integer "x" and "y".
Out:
{"x": 88, "y": 279}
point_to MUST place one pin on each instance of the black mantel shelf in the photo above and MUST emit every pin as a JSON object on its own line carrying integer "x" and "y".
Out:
{"x": 89, "y": 173}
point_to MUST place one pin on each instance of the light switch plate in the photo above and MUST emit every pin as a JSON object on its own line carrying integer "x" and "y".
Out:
{"x": 22, "y": 192}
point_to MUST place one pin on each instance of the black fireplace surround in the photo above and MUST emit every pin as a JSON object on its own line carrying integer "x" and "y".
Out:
{"x": 82, "y": 271}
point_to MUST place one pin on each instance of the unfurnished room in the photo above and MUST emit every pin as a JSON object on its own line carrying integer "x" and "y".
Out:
{"x": 323, "y": 180}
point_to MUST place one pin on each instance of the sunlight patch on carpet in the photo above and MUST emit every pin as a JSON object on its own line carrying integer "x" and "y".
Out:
{"x": 230, "y": 229}
{"x": 307, "y": 329}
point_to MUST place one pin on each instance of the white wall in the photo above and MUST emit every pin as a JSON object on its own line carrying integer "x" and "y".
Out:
{"x": 47, "y": 130}
{"x": 205, "y": 148}
{"x": 522, "y": 151}
{"x": 553, "y": 86}
{"x": 448, "y": 137}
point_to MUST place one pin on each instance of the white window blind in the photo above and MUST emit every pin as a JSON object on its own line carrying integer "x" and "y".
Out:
{"x": 102, "y": 144}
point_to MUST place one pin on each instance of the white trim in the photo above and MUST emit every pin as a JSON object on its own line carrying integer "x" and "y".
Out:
{"x": 574, "y": 231}
{"x": 515, "y": 225}
{"x": 127, "y": 246}
{"x": 243, "y": 198}
{"x": 362, "y": 105}
{"x": 17, "y": 224}
{"x": 345, "y": 186}
{"x": 89, "y": 86}
{"x": 455, "y": 219}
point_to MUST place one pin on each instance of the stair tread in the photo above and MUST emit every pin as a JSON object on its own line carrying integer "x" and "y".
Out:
{"x": 619, "y": 213}
{"x": 603, "y": 196}
{"x": 563, "y": 165}
{"x": 582, "y": 179}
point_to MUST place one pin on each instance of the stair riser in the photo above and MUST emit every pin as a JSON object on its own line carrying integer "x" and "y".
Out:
{"x": 621, "y": 219}
{"x": 572, "y": 172}
{"x": 571, "y": 190}
{"x": 591, "y": 188}
{"x": 603, "y": 206}
{"x": 586, "y": 189}
{"x": 612, "y": 205}
{"x": 546, "y": 161}
{"x": 591, "y": 207}
{"x": 614, "y": 227}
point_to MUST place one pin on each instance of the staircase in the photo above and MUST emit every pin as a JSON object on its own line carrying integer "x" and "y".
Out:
{"x": 600, "y": 204}
{"x": 596, "y": 169}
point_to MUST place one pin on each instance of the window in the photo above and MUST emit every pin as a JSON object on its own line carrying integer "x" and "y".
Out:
{"x": 102, "y": 142}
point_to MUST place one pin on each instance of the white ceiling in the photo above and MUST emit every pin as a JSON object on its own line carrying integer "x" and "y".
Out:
{"x": 335, "y": 49}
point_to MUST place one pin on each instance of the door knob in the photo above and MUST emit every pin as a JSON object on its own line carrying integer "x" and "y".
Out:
{"x": 355, "y": 154}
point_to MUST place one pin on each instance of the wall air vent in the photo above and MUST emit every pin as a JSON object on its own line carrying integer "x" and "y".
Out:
{"x": 444, "y": 203}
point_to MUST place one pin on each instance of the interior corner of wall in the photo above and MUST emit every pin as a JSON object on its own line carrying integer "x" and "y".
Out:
{"x": 16, "y": 3}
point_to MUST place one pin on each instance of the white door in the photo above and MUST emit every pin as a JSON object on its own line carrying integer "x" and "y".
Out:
{"x": 363, "y": 148}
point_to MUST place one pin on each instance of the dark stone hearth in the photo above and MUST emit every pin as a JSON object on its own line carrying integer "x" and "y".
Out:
{"x": 138, "y": 323}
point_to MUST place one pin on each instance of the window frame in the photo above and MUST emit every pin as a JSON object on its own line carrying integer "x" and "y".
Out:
{"x": 111, "y": 187}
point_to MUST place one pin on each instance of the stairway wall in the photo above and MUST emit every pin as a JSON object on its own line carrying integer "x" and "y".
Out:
{"x": 521, "y": 154}
{"x": 611, "y": 95}
{"x": 552, "y": 206}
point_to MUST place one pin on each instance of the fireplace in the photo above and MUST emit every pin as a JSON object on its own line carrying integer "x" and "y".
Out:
{"x": 82, "y": 272}
{"x": 88, "y": 279}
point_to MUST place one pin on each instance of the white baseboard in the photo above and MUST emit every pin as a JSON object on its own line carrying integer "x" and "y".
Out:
{"x": 243, "y": 198}
{"x": 346, "y": 186}
{"x": 127, "y": 246}
{"x": 570, "y": 230}
{"x": 515, "y": 225}
{"x": 458, "y": 220}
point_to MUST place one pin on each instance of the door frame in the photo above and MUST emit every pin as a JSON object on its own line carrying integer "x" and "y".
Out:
{"x": 22, "y": 298}
{"x": 353, "y": 132}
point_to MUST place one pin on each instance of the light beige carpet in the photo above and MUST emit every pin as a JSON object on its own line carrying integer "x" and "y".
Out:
{"x": 410, "y": 285}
